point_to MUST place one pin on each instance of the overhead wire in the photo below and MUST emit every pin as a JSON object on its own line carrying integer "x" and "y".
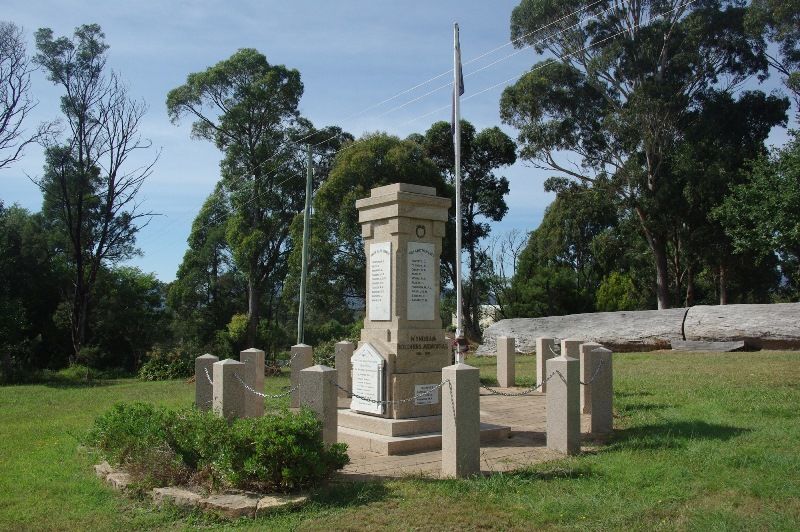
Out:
{"x": 473, "y": 95}
{"x": 296, "y": 143}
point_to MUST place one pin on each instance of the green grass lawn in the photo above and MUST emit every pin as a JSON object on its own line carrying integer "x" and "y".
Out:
{"x": 702, "y": 442}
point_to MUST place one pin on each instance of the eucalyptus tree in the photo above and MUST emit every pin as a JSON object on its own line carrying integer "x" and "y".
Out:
{"x": 337, "y": 262}
{"x": 207, "y": 289}
{"x": 482, "y": 200}
{"x": 248, "y": 108}
{"x": 16, "y": 103}
{"x": 780, "y": 21}
{"x": 762, "y": 215}
{"x": 615, "y": 89}
{"x": 93, "y": 172}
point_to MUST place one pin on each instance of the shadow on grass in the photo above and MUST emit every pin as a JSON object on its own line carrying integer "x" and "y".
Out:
{"x": 348, "y": 494}
{"x": 66, "y": 383}
{"x": 550, "y": 473}
{"x": 631, "y": 408}
{"x": 632, "y": 394}
{"x": 671, "y": 435}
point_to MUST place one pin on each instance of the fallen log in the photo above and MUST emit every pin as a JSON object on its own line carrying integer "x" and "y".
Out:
{"x": 775, "y": 326}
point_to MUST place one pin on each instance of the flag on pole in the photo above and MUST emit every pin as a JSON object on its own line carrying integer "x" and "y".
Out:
{"x": 460, "y": 344}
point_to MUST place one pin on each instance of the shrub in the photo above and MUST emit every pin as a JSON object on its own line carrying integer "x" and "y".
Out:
{"x": 166, "y": 364}
{"x": 158, "y": 446}
{"x": 616, "y": 292}
{"x": 73, "y": 373}
{"x": 133, "y": 435}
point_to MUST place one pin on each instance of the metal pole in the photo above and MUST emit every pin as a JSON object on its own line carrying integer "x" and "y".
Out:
{"x": 304, "y": 267}
{"x": 457, "y": 148}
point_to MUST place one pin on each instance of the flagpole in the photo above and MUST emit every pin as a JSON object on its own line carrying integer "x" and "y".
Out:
{"x": 457, "y": 149}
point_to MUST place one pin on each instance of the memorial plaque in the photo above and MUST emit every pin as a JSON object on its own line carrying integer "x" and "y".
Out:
{"x": 432, "y": 396}
{"x": 367, "y": 371}
{"x": 380, "y": 281}
{"x": 421, "y": 292}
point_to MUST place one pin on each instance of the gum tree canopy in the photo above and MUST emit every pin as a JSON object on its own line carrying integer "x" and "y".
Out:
{"x": 248, "y": 108}
{"x": 617, "y": 91}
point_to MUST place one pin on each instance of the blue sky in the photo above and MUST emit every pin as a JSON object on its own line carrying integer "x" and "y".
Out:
{"x": 351, "y": 54}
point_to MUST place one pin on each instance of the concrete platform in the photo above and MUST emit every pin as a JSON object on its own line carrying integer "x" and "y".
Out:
{"x": 388, "y": 427}
{"x": 412, "y": 443}
{"x": 526, "y": 445}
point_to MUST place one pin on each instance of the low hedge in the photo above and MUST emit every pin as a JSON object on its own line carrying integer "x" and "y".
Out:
{"x": 158, "y": 446}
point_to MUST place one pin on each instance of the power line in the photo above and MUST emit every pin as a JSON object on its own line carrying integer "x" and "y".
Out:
{"x": 502, "y": 83}
{"x": 548, "y": 62}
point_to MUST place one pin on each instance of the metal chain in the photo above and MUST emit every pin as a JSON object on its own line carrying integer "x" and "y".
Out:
{"x": 452, "y": 401}
{"x": 596, "y": 373}
{"x": 519, "y": 394}
{"x": 264, "y": 395}
{"x": 550, "y": 347}
{"x": 281, "y": 363}
{"x": 208, "y": 377}
{"x": 427, "y": 394}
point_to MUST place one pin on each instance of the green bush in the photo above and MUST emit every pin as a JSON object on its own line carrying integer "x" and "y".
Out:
{"x": 73, "y": 373}
{"x": 616, "y": 292}
{"x": 166, "y": 364}
{"x": 158, "y": 446}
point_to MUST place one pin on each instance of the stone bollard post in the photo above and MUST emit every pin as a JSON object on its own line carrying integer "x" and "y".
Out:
{"x": 203, "y": 390}
{"x": 461, "y": 421}
{"x": 302, "y": 357}
{"x": 254, "y": 361}
{"x": 544, "y": 352}
{"x": 344, "y": 352}
{"x": 602, "y": 398}
{"x": 317, "y": 391}
{"x": 571, "y": 348}
{"x": 506, "y": 361}
{"x": 229, "y": 398}
{"x": 586, "y": 372}
{"x": 563, "y": 405}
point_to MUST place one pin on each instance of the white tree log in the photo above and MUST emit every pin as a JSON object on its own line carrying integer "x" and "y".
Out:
{"x": 775, "y": 326}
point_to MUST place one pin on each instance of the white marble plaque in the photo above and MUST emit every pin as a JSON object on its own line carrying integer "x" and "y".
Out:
{"x": 421, "y": 292}
{"x": 432, "y": 397}
{"x": 367, "y": 371}
{"x": 380, "y": 281}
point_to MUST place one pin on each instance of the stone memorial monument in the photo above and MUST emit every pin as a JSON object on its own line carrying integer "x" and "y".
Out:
{"x": 402, "y": 226}
{"x": 403, "y": 348}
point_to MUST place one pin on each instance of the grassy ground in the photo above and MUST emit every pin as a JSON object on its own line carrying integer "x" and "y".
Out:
{"x": 703, "y": 441}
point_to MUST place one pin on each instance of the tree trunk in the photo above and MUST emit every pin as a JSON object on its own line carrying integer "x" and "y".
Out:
{"x": 723, "y": 285}
{"x": 689, "y": 301}
{"x": 659, "y": 248}
{"x": 253, "y": 312}
{"x": 658, "y": 245}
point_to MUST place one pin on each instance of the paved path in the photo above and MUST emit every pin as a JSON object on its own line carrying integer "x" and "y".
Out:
{"x": 526, "y": 417}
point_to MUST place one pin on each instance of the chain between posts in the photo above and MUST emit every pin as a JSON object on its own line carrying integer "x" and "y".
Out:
{"x": 284, "y": 363}
{"x": 426, "y": 394}
{"x": 211, "y": 382}
{"x": 596, "y": 373}
{"x": 596, "y": 370}
{"x": 519, "y": 394}
{"x": 264, "y": 395}
{"x": 281, "y": 363}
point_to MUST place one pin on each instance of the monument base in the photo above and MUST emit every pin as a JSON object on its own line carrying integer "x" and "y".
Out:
{"x": 400, "y": 436}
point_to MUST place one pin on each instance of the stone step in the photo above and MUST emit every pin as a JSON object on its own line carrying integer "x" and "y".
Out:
{"x": 389, "y": 427}
{"x": 394, "y": 445}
